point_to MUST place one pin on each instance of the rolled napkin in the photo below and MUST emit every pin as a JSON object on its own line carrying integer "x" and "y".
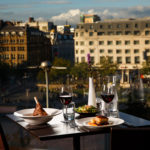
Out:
{"x": 91, "y": 95}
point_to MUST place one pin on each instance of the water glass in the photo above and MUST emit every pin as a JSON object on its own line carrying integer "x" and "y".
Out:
{"x": 68, "y": 112}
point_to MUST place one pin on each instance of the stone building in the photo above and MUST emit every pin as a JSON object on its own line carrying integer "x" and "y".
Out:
{"x": 125, "y": 41}
{"x": 23, "y": 45}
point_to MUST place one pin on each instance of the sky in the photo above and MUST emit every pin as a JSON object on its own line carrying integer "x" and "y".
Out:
{"x": 60, "y": 11}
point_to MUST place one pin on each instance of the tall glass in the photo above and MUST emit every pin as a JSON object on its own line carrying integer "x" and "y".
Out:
{"x": 65, "y": 97}
{"x": 107, "y": 93}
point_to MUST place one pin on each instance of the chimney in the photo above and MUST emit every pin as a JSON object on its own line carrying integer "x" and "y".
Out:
{"x": 31, "y": 19}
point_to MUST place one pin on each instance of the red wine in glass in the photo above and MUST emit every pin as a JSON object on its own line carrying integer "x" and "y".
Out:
{"x": 107, "y": 97}
{"x": 65, "y": 99}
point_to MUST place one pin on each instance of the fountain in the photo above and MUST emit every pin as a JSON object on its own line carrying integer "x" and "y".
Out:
{"x": 141, "y": 90}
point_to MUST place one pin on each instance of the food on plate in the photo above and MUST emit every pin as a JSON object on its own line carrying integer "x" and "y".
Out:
{"x": 98, "y": 121}
{"x": 39, "y": 111}
{"x": 86, "y": 109}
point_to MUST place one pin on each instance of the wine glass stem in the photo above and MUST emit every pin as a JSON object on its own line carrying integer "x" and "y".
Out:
{"x": 107, "y": 109}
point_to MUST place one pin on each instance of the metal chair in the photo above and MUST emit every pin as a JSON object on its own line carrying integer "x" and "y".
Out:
{"x": 130, "y": 138}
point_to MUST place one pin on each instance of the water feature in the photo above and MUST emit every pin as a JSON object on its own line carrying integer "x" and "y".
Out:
{"x": 141, "y": 90}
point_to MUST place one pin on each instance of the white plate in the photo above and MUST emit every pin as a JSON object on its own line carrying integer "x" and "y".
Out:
{"x": 84, "y": 123}
{"x": 26, "y": 114}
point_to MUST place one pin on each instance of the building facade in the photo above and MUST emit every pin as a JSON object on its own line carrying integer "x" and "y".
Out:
{"x": 26, "y": 45}
{"x": 125, "y": 41}
{"x": 62, "y": 41}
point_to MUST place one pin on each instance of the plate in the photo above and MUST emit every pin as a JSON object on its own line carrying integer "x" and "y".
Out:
{"x": 87, "y": 114}
{"x": 26, "y": 114}
{"x": 112, "y": 122}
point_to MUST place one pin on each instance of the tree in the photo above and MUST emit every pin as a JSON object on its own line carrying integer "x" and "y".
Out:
{"x": 146, "y": 67}
{"x": 59, "y": 75}
{"x": 80, "y": 71}
{"x": 107, "y": 67}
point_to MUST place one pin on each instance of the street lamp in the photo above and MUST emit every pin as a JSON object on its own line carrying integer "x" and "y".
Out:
{"x": 46, "y": 65}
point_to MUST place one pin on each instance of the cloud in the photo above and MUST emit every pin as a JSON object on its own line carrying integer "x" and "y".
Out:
{"x": 56, "y": 2}
{"x": 72, "y": 16}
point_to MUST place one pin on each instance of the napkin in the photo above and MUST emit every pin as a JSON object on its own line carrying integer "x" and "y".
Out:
{"x": 91, "y": 95}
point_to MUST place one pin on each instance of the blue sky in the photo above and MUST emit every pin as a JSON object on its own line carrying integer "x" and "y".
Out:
{"x": 60, "y": 11}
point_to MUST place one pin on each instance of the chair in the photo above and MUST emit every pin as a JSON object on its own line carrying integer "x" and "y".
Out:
{"x": 3, "y": 142}
{"x": 130, "y": 138}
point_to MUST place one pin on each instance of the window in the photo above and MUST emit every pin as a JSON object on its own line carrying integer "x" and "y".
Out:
{"x": 127, "y": 51}
{"x": 111, "y": 33}
{"x": 136, "y": 51}
{"x": 76, "y": 51}
{"x": 101, "y": 50}
{"x": 77, "y": 60}
{"x": 136, "y": 42}
{"x": 146, "y": 25}
{"x": 20, "y": 56}
{"x": 136, "y": 25}
{"x": 100, "y": 33}
{"x": 102, "y": 58}
{"x": 13, "y": 48}
{"x": 109, "y": 26}
{"x": 76, "y": 33}
{"x": 118, "y": 26}
{"x": 110, "y": 59}
{"x": 137, "y": 60}
{"x": 90, "y": 33}
{"x": 82, "y": 52}
{"x": 147, "y": 41}
{"x": 7, "y": 56}
{"x": 110, "y": 51}
{"x": 118, "y": 51}
{"x": 127, "y": 42}
{"x": 12, "y": 41}
{"x": 136, "y": 32}
{"x": 101, "y": 42}
{"x": 91, "y": 50}
{"x": 13, "y": 56}
{"x": 147, "y": 32}
{"x": 127, "y": 25}
{"x": 128, "y": 60}
{"x": 109, "y": 42}
{"x": 127, "y": 32}
{"x": 76, "y": 42}
{"x": 101, "y": 26}
{"x": 82, "y": 33}
{"x": 91, "y": 26}
{"x": 119, "y": 33}
{"x": 92, "y": 60}
{"x": 82, "y": 43}
{"x": 91, "y": 42}
{"x": 118, "y": 42}
{"x": 20, "y": 48}
{"x": 82, "y": 59}
{"x": 147, "y": 50}
{"x": 119, "y": 60}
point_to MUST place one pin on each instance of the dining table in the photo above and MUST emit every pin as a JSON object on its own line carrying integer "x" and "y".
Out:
{"x": 57, "y": 129}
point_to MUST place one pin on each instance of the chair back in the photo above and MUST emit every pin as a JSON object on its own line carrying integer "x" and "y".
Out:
{"x": 3, "y": 142}
{"x": 130, "y": 138}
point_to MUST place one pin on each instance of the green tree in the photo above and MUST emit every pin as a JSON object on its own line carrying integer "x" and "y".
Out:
{"x": 56, "y": 75}
{"x": 146, "y": 67}
{"x": 107, "y": 67}
{"x": 80, "y": 71}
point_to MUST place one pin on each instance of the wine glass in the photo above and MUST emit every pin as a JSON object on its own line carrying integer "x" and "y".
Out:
{"x": 107, "y": 94}
{"x": 65, "y": 97}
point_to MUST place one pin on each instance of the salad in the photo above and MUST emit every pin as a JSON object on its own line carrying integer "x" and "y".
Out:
{"x": 86, "y": 109}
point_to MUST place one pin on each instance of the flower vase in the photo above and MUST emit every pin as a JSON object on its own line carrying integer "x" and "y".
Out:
{"x": 91, "y": 94}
